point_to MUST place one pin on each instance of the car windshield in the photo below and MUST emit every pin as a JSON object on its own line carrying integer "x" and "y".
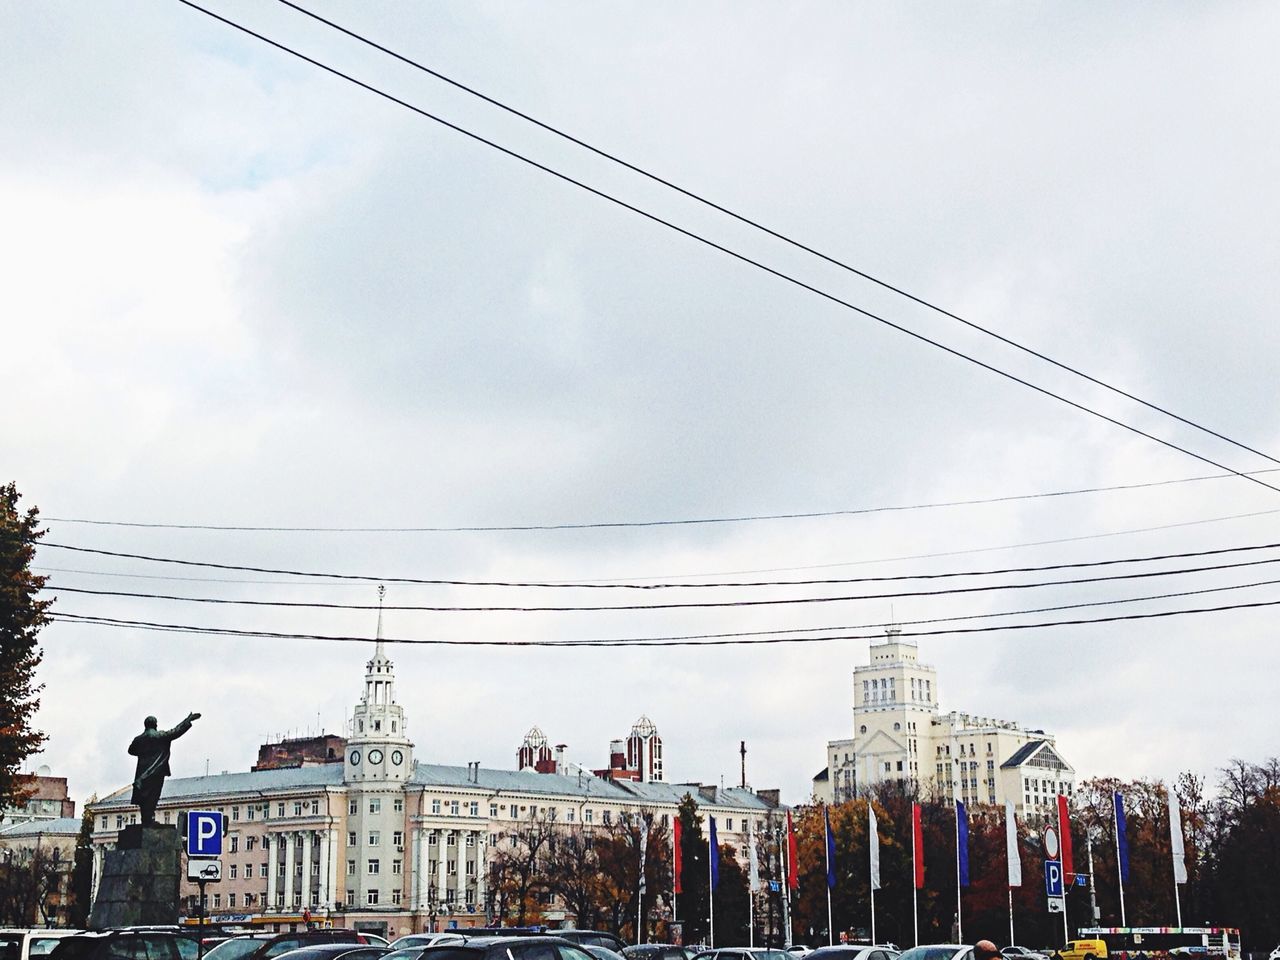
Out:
{"x": 452, "y": 952}
{"x": 404, "y": 953}
{"x": 234, "y": 949}
{"x": 929, "y": 953}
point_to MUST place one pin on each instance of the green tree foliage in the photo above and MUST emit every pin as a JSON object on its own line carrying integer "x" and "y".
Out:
{"x": 82, "y": 870}
{"x": 691, "y": 904}
{"x": 22, "y": 614}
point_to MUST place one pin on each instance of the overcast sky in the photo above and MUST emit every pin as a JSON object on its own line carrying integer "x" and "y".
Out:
{"x": 237, "y": 290}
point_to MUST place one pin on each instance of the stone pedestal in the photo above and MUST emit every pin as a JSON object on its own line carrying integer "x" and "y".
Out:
{"x": 140, "y": 877}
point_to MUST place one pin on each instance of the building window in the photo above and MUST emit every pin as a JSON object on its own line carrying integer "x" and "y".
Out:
{"x": 353, "y": 807}
{"x": 233, "y": 869}
{"x": 262, "y": 872}
{"x": 728, "y": 824}
{"x": 235, "y": 845}
{"x": 395, "y": 897}
{"x": 351, "y": 868}
{"x": 297, "y": 808}
{"x": 374, "y": 837}
{"x": 433, "y": 838}
{"x": 493, "y": 811}
{"x": 471, "y": 839}
{"x": 453, "y": 808}
{"x": 374, "y": 866}
{"x": 451, "y": 867}
{"x": 397, "y": 867}
{"x": 397, "y": 805}
{"x": 235, "y": 813}
{"x": 279, "y": 809}
{"x": 351, "y": 898}
{"x": 435, "y": 806}
{"x": 375, "y": 805}
{"x": 249, "y": 815}
{"x": 471, "y": 868}
{"x": 605, "y": 817}
{"x": 249, "y": 843}
{"x": 451, "y": 839}
{"x": 351, "y": 838}
{"x": 217, "y": 900}
{"x": 475, "y": 808}
{"x": 231, "y": 899}
{"x": 515, "y": 812}
{"x": 398, "y": 838}
{"x": 588, "y": 815}
{"x": 371, "y": 898}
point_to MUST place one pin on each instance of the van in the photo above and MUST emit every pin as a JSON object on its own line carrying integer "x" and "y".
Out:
{"x": 30, "y": 944}
{"x": 1084, "y": 950}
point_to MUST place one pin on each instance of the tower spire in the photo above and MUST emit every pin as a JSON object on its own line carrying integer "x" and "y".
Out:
{"x": 378, "y": 648}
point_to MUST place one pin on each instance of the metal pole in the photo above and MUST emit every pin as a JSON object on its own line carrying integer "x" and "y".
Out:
{"x": 915, "y": 911}
{"x": 1093, "y": 891}
{"x": 873, "y": 915}
{"x": 826, "y": 850}
{"x": 1115, "y": 819}
{"x": 1177, "y": 902}
{"x": 200, "y": 946}
{"x": 711, "y": 902}
{"x": 1011, "y": 940}
{"x": 959, "y": 915}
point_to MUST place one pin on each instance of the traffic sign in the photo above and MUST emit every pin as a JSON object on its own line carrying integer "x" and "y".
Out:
{"x": 1057, "y": 905}
{"x": 1050, "y": 843}
{"x": 1053, "y": 878}
{"x": 204, "y": 833}
{"x": 1080, "y": 879}
{"x": 204, "y": 871}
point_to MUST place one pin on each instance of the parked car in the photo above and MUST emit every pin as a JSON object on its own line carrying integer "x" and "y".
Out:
{"x": 126, "y": 944}
{"x": 657, "y": 951}
{"x": 799, "y": 950}
{"x": 1084, "y": 950}
{"x": 526, "y": 947}
{"x": 1021, "y": 953}
{"x": 601, "y": 953}
{"x": 425, "y": 940}
{"x": 593, "y": 938}
{"x": 743, "y": 953}
{"x": 939, "y": 951}
{"x": 855, "y": 951}
{"x": 25, "y": 944}
{"x": 255, "y": 946}
{"x": 336, "y": 951}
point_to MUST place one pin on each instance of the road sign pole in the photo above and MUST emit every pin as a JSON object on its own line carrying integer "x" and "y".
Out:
{"x": 200, "y": 914}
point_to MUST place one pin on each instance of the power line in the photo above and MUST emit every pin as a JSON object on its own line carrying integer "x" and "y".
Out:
{"x": 617, "y": 585}
{"x": 616, "y": 524}
{"x": 995, "y": 628}
{"x": 968, "y": 551}
{"x": 631, "y": 607}
{"x": 778, "y": 235}
{"x": 830, "y": 297}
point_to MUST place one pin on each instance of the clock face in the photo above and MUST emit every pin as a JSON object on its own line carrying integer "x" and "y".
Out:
{"x": 375, "y": 756}
{"x": 397, "y": 757}
{"x": 355, "y": 758}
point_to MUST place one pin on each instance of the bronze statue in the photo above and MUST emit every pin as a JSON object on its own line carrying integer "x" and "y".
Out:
{"x": 151, "y": 747}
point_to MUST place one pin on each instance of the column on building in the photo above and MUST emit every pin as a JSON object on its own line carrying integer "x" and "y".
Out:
{"x": 481, "y": 846}
{"x": 442, "y": 875}
{"x": 290, "y": 854}
{"x": 307, "y": 838}
{"x": 326, "y": 867}
{"x": 272, "y": 843}
{"x": 419, "y": 869}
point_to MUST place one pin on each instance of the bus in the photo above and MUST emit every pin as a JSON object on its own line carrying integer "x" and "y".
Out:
{"x": 1167, "y": 943}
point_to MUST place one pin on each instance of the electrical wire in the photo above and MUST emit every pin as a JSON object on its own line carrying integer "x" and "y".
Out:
{"x": 616, "y": 585}
{"x": 830, "y": 297}
{"x": 544, "y": 644}
{"x": 631, "y": 607}
{"x": 741, "y": 218}
{"x": 617, "y": 524}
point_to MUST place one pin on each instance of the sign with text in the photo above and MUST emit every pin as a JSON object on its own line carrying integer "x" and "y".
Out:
{"x": 1053, "y": 878}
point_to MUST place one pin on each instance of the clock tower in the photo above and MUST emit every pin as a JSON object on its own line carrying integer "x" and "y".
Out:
{"x": 378, "y": 747}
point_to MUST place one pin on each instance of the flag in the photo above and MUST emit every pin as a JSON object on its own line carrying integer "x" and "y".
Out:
{"x": 713, "y": 852}
{"x": 1175, "y": 840}
{"x": 793, "y": 876}
{"x": 962, "y": 843}
{"x": 917, "y": 844}
{"x": 1064, "y": 838}
{"x": 753, "y": 861}
{"x": 873, "y": 837}
{"x": 831, "y": 850}
{"x": 1011, "y": 845}
{"x": 1122, "y": 838}
{"x": 644, "y": 849}
{"x": 677, "y": 856}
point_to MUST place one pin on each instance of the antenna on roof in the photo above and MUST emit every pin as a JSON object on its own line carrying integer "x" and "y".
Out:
{"x": 382, "y": 592}
{"x": 742, "y": 749}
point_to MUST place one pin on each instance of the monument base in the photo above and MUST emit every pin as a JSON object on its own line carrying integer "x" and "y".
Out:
{"x": 140, "y": 878}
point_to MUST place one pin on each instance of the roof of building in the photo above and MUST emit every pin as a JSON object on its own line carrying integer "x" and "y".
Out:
{"x": 439, "y": 775}
{"x": 31, "y": 828}
{"x": 823, "y": 775}
{"x": 1023, "y": 753}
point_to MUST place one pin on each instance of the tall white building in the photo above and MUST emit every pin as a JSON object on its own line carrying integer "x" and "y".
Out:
{"x": 899, "y": 733}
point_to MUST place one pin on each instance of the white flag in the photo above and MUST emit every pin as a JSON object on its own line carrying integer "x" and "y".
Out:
{"x": 873, "y": 839}
{"x": 753, "y": 861}
{"x": 1011, "y": 845}
{"x": 644, "y": 849}
{"x": 1175, "y": 839}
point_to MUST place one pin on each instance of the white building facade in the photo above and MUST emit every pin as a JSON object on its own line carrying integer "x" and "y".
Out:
{"x": 899, "y": 733}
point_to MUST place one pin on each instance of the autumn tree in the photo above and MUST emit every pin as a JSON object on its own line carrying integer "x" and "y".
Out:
{"x": 22, "y": 614}
{"x": 518, "y": 871}
{"x": 574, "y": 874}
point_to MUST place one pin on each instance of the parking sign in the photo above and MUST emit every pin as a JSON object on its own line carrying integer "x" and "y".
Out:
{"x": 1053, "y": 878}
{"x": 204, "y": 833}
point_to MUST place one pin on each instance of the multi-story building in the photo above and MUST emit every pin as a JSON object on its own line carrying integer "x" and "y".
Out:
{"x": 43, "y": 852}
{"x": 900, "y": 734}
{"x": 385, "y": 842}
{"x": 45, "y": 798}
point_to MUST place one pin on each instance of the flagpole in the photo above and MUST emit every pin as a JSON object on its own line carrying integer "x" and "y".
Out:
{"x": 826, "y": 847}
{"x": 786, "y": 880}
{"x": 915, "y": 910}
{"x": 711, "y": 903}
{"x": 959, "y": 914}
{"x": 1115, "y": 816}
{"x": 873, "y": 840}
{"x": 1011, "y": 940}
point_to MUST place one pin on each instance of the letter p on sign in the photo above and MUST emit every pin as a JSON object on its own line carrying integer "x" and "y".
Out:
{"x": 204, "y": 833}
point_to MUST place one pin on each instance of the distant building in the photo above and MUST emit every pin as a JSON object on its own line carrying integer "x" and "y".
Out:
{"x": 899, "y": 734}
{"x": 638, "y": 758}
{"x": 45, "y": 850}
{"x": 301, "y": 752}
{"x": 46, "y": 799}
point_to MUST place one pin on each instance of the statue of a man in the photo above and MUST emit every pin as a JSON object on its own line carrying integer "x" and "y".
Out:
{"x": 151, "y": 747}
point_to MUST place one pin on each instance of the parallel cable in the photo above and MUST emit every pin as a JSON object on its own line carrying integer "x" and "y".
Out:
{"x": 544, "y": 644}
{"x": 615, "y": 585}
{"x": 631, "y": 607}
{"x": 717, "y": 246}
{"x": 742, "y": 218}
{"x": 616, "y": 524}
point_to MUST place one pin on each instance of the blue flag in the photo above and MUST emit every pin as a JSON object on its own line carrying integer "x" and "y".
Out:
{"x": 831, "y": 850}
{"x": 1122, "y": 839}
{"x": 962, "y": 843}
{"x": 714, "y": 853}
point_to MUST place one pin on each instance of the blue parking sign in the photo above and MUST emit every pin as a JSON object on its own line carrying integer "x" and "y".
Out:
{"x": 1053, "y": 878}
{"x": 204, "y": 833}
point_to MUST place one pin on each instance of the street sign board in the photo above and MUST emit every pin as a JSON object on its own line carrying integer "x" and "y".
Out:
{"x": 1053, "y": 878}
{"x": 205, "y": 871}
{"x": 204, "y": 833}
{"x": 1057, "y": 905}
{"x": 1080, "y": 879}
{"x": 1050, "y": 843}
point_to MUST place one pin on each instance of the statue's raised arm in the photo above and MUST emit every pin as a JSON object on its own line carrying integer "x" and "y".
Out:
{"x": 151, "y": 747}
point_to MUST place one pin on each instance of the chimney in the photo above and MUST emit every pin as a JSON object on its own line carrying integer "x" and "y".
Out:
{"x": 560, "y": 749}
{"x": 618, "y": 754}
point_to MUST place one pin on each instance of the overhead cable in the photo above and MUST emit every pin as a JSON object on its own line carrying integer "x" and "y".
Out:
{"x": 788, "y": 278}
